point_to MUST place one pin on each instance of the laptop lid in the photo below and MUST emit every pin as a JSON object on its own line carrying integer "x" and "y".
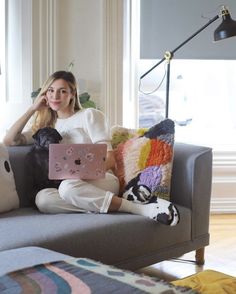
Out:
{"x": 73, "y": 161}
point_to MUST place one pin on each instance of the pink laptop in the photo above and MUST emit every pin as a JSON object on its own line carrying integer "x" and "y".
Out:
{"x": 73, "y": 161}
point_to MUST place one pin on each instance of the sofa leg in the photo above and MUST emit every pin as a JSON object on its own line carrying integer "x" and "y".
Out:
{"x": 199, "y": 256}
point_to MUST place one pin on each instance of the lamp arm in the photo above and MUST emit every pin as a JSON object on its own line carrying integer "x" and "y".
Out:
{"x": 195, "y": 34}
{"x": 152, "y": 68}
{"x": 169, "y": 54}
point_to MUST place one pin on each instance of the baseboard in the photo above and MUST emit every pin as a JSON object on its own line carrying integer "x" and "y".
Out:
{"x": 223, "y": 199}
{"x": 225, "y": 205}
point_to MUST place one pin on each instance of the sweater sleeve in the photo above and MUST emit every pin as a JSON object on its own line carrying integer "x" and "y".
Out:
{"x": 97, "y": 127}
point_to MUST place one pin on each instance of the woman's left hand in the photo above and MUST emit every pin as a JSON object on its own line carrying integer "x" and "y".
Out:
{"x": 110, "y": 161}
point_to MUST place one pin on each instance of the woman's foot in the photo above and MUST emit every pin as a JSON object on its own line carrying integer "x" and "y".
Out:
{"x": 159, "y": 210}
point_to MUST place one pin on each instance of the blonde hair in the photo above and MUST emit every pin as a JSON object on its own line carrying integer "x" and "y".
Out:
{"x": 47, "y": 117}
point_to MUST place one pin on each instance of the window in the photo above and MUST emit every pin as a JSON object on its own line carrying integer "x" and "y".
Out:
{"x": 202, "y": 87}
{"x": 16, "y": 60}
{"x": 202, "y": 100}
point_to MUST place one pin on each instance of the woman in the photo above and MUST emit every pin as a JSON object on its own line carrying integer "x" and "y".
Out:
{"x": 57, "y": 106}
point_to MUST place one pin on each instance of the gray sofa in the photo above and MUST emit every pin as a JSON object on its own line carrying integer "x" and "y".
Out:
{"x": 124, "y": 240}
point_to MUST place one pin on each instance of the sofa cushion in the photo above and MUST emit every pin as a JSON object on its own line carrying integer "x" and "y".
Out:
{"x": 8, "y": 196}
{"x": 77, "y": 234}
{"x": 144, "y": 160}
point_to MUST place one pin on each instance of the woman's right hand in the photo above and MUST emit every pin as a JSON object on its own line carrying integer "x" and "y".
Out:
{"x": 40, "y": 103}
{"x": 14, "y": 135}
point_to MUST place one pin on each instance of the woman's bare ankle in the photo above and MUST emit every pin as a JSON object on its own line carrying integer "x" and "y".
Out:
{"x": 115, "y": 204}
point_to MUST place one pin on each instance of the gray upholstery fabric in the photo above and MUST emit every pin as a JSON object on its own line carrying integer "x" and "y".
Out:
{"x": 23, "y": 178}
{"x": 110, "y": 238}
{"x": 191, "y": 183}
{"x": 125, "y": 240}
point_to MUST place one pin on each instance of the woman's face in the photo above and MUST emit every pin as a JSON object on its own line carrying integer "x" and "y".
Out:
{"x": 59, "y": 96}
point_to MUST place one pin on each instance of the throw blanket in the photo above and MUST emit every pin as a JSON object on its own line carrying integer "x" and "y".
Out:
{"x": 82, "y": 276}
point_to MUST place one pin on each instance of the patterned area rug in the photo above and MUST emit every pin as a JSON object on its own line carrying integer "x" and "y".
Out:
{"x": 83, "y": 276}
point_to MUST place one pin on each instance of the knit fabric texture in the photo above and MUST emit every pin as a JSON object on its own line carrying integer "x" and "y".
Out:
{"x": 144, "y": 160}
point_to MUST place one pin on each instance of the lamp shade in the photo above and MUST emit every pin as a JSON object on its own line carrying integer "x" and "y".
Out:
{"x": 227, "y": 28}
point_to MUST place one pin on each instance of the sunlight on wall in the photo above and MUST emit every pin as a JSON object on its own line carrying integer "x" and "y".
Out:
{"x": 202, "y": 100}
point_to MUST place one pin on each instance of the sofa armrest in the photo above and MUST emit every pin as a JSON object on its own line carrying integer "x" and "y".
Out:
{"x": 23, "y": 178}
{"x": 191, "y": 183}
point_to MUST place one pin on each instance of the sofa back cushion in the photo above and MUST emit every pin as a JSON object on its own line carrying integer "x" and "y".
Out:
{"x": 8, "y": 196}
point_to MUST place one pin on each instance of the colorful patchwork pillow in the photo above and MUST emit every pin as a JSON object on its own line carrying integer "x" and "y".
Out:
{"x": 8, "y": 196}
{"x": 144, "y": 161}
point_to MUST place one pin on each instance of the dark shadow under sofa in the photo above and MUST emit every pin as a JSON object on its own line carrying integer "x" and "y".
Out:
{"x": 124, "y": 240}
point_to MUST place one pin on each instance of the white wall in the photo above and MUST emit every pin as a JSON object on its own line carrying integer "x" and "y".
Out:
{"x": 79, "y": 39}
{"x": 89, "y": 33}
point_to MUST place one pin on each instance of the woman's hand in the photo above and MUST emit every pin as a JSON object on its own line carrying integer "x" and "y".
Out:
{"x": 14, "y": 135}
{"x": 110, "y": 161}
{"x": 40, "y": 102}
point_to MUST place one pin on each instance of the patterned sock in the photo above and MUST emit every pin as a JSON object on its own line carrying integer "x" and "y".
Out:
{"x": 161, "y": 211}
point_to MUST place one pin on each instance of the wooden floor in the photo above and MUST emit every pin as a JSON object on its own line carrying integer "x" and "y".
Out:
{"x": 220, "y": 255}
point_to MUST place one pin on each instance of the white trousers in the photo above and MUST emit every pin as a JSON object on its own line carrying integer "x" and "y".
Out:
{"x": 79, "y": 196}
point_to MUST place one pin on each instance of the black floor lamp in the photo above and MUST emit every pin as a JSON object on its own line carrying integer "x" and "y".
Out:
{"x": 225, "y": 30}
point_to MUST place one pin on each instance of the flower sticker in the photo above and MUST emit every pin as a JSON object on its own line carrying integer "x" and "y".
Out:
{"x": 69, "y": 151}
{"x": 90, "y": 156}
